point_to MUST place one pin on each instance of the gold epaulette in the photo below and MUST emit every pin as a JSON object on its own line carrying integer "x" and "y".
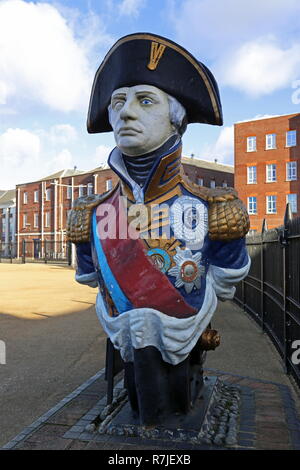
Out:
{"x": 227, "y": 216}
{"x": 80, "y": 217}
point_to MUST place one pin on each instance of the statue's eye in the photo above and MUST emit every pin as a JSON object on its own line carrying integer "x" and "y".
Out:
{"x": 118, "y": 105}
{"x": 146, "y": 101}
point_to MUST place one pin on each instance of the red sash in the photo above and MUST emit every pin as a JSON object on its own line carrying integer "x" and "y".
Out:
{"x": 143, "y": 283}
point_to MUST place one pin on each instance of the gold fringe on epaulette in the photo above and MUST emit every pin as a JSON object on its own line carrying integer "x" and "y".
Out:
{"x": 227, "y": 220}
{"x": 80, "y": 217}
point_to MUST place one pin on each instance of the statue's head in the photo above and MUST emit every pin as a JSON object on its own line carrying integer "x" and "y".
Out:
{"x": 143, "y": 117}
{"x": 148, "y": 88}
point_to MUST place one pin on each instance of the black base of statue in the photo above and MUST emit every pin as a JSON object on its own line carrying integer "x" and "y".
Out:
{"x": 157, "y": 389}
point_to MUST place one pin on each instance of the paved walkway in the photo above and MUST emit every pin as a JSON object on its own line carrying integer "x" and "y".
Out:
{"x": 269, "y": 417}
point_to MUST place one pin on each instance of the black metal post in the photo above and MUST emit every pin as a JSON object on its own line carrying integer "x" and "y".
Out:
{"x": 23, "y": 251}
{"x": 262, "y": 275}
{"x": 69, "y": 253}
{"x": 285, "y": 243}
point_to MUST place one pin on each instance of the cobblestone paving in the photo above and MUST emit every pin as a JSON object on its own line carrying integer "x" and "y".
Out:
{"x": 268, "y": 420}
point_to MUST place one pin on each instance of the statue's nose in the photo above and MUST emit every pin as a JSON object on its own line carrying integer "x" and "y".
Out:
{"x": 128, "y": 111}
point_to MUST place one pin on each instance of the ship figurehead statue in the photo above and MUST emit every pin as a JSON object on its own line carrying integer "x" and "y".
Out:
{"x": 161, "y": 249}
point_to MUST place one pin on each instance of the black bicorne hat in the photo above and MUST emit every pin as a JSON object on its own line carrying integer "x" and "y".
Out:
{"x": 145, "y": 58}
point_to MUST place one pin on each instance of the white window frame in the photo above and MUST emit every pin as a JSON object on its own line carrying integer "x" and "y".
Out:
{"x": 293, "y": 204}
{"x": 291, "y": 171}
{"x": 48, "y": 194}
{"x": 212, "y": 183}
{"x": 291, "y": 138}
{"x": 252, "y": 205}
{"x": 252, "y": 174}
{"x": 200, "y": 181}
{"x": 90, "y": 189}
{"x": 108, "y": 184}
{"x": 224, "y": 184}
{"x": 25, "y": 220}
{"x": 271, "y": 204}
{"x": 270, "y": 141}
{"x": 81, "y": 190}
{"x": 69, "y": 192}
{"x": 36, "y": 220}
{"x": 251, "y": 143}
{"x": 47, "y": 219}
{"x": 25, "y": 198}
{"x": 36, "y": 196}
{"x": 271, "y": 172}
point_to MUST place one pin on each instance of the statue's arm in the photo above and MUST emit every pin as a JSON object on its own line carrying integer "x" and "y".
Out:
{"x": 85, "y": 270}
{"x": 229, "y": 264}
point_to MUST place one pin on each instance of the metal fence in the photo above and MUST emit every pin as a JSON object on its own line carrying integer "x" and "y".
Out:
{"x": 37, "y": 251}
{"x": 271, "y": 291}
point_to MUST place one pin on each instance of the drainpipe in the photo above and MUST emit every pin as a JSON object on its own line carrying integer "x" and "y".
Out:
{"x": 18, "y": 223}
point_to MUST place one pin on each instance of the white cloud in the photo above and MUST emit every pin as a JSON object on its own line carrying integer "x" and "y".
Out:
{"x": 211, "y": 27}
{"x": 252, "y": 46}
{"x": 16, "y": 145}
{"x": 62, "y": 134}
{"x": 19, "y": 155}
{"x": 131, "y": 7}
{"x": 223, "y": 148}
{"x": 101, "y": 155}
{"x": 41, "y": 58}
{"x": 63, "y": 159}
{"x": 261, "y": 67}
{"x": 27, "y": 156}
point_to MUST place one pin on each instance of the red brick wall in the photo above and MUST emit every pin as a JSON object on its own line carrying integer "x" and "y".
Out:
{"x": 259, "y": 158}
{"x": 194, "y": 172}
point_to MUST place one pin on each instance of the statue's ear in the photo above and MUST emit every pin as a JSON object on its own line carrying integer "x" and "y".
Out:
{"x": 109, "y": 113}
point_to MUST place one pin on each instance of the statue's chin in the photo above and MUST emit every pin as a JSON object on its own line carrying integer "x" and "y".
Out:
{"x": 136, "y": 149}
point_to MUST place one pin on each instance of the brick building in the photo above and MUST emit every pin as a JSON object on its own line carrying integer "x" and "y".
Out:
{"x": 7, "y": 220}
{"x": 207, "y": 173}
{"x": 43, "y": 205}
{"x": 267, "y": 154}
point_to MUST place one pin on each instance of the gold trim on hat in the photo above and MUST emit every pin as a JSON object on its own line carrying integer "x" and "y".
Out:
{"x": 156, "y": 53}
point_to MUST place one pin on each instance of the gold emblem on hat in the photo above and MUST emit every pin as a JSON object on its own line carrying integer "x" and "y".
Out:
{"x": 156, "y": 53}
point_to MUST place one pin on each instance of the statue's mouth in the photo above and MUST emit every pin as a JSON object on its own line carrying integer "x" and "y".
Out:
{"x": 128, "y": 130}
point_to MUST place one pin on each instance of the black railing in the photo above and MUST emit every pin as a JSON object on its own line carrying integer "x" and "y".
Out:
{"x": 37, "y": 251}
{"x": 271, "y": 291}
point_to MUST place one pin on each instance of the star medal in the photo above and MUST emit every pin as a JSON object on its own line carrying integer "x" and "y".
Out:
{"x": 188, "y": 270}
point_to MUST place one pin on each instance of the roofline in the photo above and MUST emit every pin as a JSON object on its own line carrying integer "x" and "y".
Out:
{"x": 266, "y": 118}
{"x": 192, "y": 160}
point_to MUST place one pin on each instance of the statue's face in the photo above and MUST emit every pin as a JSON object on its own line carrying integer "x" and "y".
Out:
{"x": 139, "y": 116}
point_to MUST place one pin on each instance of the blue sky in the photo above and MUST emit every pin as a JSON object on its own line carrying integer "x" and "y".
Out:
{"x": 50, "y": 51}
